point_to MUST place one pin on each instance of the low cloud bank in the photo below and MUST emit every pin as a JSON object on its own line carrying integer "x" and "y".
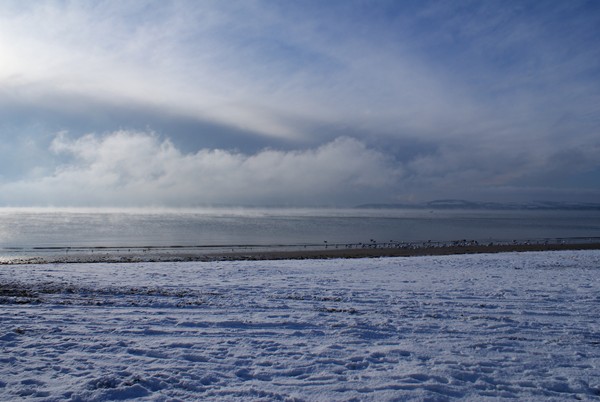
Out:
{"x": 128, "y": 168}
{"x": 136, "y": 168}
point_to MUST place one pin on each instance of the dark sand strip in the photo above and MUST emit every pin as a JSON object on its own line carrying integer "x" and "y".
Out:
{"x": 298, "y": 254}
{"x": 403, "y": 252}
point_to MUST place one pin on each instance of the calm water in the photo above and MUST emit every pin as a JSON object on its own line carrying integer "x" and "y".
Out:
{"x": 31, "y": 228}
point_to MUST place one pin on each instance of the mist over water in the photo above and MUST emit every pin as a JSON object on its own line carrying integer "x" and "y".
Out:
{"x": 31, "y": 228}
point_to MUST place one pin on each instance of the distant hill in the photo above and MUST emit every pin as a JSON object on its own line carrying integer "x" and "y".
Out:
{"x": 463, "y": 204}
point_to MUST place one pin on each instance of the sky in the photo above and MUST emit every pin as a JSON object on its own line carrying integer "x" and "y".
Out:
{"x": 298, "y": 103}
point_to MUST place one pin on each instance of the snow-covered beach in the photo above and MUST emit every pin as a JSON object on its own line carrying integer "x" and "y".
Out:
{"x": 512, "y": 325}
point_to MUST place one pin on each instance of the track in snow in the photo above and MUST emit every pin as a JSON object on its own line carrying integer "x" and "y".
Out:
{"x": 475, "y": 326}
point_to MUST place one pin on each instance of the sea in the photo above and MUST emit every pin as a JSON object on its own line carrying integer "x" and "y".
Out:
{"x": 51, "y": 230}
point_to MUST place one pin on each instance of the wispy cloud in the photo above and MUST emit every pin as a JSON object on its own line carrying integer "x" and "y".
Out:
{"x": 171, "y": 59}
{"x": 226, "y": 63}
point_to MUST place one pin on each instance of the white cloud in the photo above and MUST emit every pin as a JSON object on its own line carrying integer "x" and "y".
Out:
{"x": 170, "y": 59}
{"x": 221, "y": 63}
{"x": 135, "y": 168}
{"x": 468, "y": 97}
{"x": 128, "y": 168}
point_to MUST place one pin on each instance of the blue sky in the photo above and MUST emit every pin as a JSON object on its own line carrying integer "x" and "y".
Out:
{"x": 298, "y": 103}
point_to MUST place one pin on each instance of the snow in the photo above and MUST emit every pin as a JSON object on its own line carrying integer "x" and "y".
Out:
{"x": 513, "y": 325}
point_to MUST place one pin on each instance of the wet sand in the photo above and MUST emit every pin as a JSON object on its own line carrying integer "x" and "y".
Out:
{"x": 161, "y": 255}
{"x": 405, "y": 252}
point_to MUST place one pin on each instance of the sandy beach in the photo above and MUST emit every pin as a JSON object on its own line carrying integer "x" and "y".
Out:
{"x": 401, "y": 252}
{"x": 236, "y": 253}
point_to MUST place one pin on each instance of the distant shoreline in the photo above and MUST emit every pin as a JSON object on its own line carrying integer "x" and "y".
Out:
{"x": 295, "y": 254}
